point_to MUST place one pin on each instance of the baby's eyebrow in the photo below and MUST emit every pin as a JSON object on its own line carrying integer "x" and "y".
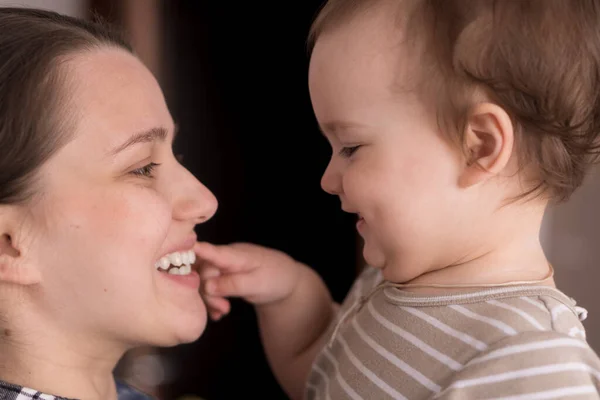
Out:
{"x": 335, "y": 127}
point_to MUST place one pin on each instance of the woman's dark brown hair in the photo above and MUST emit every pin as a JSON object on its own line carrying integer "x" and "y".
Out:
{"x": 34, "y": 107}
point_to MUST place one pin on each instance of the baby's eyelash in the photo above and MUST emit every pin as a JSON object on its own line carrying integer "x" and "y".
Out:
{"x": 348, "y": 151}
{"x": 145, "y": 171}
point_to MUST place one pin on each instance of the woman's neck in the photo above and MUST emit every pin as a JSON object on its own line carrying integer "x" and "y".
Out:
{"x": 56, "y": 365}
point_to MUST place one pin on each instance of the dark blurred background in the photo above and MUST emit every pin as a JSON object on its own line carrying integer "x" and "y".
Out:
{"x": 236, "y": 82}
{"x": 235, "y": 78}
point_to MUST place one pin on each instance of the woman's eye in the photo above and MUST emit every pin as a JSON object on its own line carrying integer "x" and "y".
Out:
{"x": 348, "y": 151}
{"x": 145, "y": 171}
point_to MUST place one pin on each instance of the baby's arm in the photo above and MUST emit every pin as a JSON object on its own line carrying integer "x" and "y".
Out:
{"x": 294, "y": 306}
{"x": 293, "y": 330}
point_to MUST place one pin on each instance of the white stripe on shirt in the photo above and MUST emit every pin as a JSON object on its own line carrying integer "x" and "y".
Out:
{"x": 407, "y": 369}
{"x": 535, "y": 304}
{"x": 421, "y": 345}
{"x": 526, "y": 373}
{"x": 369, "y": 374}
{"x": 463, "y": 337}
{"x": 522, "y": 348}
{"x": 518, "y": 311}
{"x": 556, "y": 311}
{"x": 325, "y": 379}
{"x": 349, "y": 391}
{"x": 552, "y": 394}
{"x": 488, "y": 320}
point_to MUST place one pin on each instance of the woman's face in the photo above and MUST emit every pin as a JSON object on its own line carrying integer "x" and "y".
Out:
{"x": 106, "y": 214}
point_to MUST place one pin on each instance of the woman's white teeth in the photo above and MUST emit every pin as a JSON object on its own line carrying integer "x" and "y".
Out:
{"x": 183, "y": 270}
{"x": 188, "y": 257}
{"x": 175, "y": 258}
{"x": 177, "y": 263}
{"x": 163, "y": 263}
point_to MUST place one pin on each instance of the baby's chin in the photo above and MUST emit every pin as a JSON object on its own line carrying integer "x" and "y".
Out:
{"x": 392, "y": 268}
{"x": 373, "y": 256}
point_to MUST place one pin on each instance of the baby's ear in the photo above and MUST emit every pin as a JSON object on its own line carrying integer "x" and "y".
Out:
{"x": 488, "y": 139}
{"x": 14, "y": 268}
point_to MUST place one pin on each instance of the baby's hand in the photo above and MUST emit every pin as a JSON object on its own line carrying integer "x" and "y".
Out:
{"x": 257, "y": 274}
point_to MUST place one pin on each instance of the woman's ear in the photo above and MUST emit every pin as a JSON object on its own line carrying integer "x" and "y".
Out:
{"x": 488, "y": 140}
{"x": 14, "y": 268}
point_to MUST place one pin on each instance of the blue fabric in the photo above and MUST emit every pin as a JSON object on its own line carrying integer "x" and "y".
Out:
{"x": 12, "y": 392}
{"x": 126, "y": 392}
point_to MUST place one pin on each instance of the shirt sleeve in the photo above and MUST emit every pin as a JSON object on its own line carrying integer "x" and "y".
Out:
{"x": 531, "y": 365}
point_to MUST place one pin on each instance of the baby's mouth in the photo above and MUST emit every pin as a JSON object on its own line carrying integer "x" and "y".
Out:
{"x": 176, "y": 263}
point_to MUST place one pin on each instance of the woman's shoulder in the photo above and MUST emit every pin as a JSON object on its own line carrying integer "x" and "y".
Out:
{"x": 12, "y": 391}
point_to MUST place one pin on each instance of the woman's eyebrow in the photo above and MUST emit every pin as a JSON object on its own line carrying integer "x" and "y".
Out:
{"x": 151, "y": 135}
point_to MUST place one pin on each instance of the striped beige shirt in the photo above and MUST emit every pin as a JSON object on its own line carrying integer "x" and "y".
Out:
{"x": 504, "y": 343}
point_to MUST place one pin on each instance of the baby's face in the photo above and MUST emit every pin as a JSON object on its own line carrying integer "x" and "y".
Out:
{"x": 390, "y": 163}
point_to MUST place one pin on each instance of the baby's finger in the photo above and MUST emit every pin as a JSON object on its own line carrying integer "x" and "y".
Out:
{"x": 217, "y": 307}
{"x": 217, "y": 304}
{"x": 208, "y": 271}
{"x": 226, "y": 258}
{"x": 234, "y": 285}
{"x": 215, "y": 315}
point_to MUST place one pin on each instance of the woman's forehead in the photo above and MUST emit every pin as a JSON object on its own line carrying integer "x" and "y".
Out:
{"x": 113, "y": 94}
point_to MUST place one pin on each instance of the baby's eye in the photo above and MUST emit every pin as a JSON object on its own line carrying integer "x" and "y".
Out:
{"x": 145, "y": 171}
{"x": 348, "y": 151}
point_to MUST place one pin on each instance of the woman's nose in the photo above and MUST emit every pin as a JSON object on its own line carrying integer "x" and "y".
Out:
{"x": 194, "y": 202}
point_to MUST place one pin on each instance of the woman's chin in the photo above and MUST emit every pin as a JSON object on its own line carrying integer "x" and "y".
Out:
{"x": 188, "y": 337}
{"x": 186, "y": 327}
{"x": 191, "y": 328}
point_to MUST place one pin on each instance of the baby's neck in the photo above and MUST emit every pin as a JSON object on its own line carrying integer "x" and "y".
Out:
{"x": 488, "y": 271}
{"x": 515, "y": 256}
